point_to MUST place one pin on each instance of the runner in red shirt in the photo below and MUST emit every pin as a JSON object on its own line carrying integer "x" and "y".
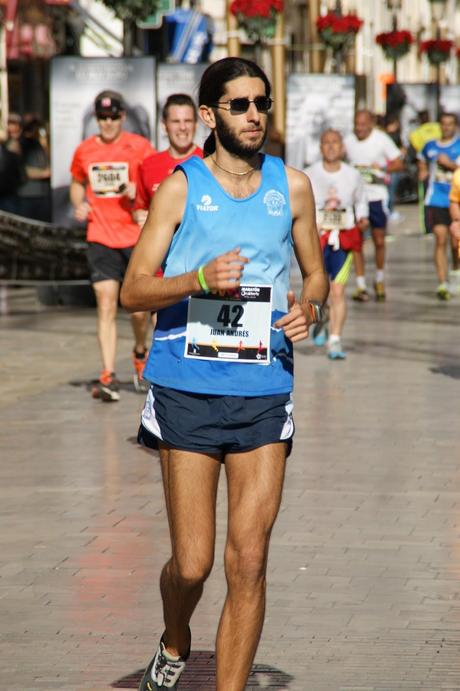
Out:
{"x": 105, "y": 171}
{"x": 179, "y": 118}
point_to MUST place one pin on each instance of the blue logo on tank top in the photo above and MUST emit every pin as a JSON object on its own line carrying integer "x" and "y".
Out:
{"x": 274, "y": 202}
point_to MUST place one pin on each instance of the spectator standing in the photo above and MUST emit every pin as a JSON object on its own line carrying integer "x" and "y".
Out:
{"x": 11, "y": 174}
{"x": 34, "y": 193}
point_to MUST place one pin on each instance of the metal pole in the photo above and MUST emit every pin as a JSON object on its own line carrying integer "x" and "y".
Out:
{"x": 233, "y": 40}
{"x": 395, "y": 62}
{"x": 438, "y": 79}
{"x": 278, "y": 52}
{"x": 4, "y": 103}
{"x": 315, "y": 57}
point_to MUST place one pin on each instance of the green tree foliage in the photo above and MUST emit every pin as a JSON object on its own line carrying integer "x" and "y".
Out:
{"x": 132, "y": 10}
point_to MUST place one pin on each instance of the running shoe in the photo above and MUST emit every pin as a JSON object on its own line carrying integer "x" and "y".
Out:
{"x": 320, "y": 334}
{"x": 443, "y": 294}
{"x": 163, "y": 671}
{"x": 335, "y": 352}
{"x": 141, "y": 385}
{"x": 107, "y": 387}
{"x": 360, "y": 295}
{"x": 379, "y": 288}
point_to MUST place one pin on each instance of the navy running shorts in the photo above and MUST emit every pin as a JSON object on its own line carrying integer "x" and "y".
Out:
{"x": 338, "y": 264}
{"x": 377, "y": 215}
{"x": 107, "y": 263}
{"x": 212, "y": 424}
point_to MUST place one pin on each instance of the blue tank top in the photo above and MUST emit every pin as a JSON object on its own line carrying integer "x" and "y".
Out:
{"x": 440, "y": 179}
{"x": 214, "y": 223}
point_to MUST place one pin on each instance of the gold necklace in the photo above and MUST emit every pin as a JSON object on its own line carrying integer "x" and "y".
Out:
{"x": 232, "y": 172}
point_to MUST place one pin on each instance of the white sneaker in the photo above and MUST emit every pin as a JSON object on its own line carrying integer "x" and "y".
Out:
{"x": 163, "y": 671}
{"x": 335, "y": 352}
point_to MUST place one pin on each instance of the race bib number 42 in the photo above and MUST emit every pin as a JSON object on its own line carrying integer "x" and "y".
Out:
{"x": 233, "y": 326}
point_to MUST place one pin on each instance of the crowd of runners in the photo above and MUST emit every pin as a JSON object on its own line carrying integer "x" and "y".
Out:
{"x": 199, "y": 242}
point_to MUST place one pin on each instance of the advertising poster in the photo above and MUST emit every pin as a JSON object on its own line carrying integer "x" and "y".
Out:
{"x": 178, "y": 79}
{"x": 314, "y": 103}
{"x": 75, "y": 82}
{"x": 407, "y": 100}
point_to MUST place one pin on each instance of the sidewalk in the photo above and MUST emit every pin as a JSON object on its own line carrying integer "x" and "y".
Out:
{"x": 365, "y": 561}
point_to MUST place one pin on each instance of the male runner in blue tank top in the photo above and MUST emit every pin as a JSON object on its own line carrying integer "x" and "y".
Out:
{"x": 221, "y": 366}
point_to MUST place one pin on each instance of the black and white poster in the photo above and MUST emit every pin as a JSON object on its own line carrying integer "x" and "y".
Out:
{"x": 178, "y": 79}
{"x": 314, "y": 103}
{"x": 75, "y": 82}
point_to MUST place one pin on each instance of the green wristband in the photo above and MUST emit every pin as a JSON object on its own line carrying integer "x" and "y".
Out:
{"x": 201, "y": 279}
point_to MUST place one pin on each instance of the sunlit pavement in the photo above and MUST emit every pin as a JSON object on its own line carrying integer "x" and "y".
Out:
{"x": 364, "y": 590}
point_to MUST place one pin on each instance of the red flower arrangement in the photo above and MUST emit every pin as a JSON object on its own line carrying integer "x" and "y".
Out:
{"x": 337, "y": 30}
{"x": 395, "y": 44}
{"x": 257, "y": 17}
{"x": 437, "y": 50}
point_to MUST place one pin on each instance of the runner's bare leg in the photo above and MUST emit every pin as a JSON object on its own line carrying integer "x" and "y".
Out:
{"x": 106, "y": 293}
{"x": 255, "y": 481}
{"x": 190, "y": 484}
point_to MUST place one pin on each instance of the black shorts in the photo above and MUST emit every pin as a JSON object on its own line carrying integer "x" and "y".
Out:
{"x": 437, "y": 216}
{"x": 377, "y": 215}
{"x": 107, "y": 263}
{"x": 215, "y": 424}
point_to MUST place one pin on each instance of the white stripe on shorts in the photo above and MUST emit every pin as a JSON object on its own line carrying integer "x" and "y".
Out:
{"x": 148, "y": 417}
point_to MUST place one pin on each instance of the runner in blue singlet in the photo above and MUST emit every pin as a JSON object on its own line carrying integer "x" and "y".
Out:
{"x": 221, "y": 367}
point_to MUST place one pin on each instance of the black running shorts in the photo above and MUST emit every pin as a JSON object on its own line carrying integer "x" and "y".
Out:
{"x": 215, "y": 425}
{"x": 438, "y": 216}
{"x": 107, "y": 263}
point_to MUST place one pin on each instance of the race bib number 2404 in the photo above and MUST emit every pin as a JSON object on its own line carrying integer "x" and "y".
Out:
{"x": 233, "y": 326}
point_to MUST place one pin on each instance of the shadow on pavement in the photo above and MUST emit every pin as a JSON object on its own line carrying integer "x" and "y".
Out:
{"x": 200, "y": 676}
{"x": 452, "y": 371}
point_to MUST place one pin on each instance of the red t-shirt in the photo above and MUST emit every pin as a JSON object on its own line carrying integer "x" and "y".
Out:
{"x": 154, "y": 170}
{"x": 105, "y": 168}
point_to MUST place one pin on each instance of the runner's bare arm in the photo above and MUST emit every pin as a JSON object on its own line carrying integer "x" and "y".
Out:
{"x": 141, "y": 289}
{"x": 309, "y": 256}
{"x": 454, "y": 209}
{"x": 77, "y": 195}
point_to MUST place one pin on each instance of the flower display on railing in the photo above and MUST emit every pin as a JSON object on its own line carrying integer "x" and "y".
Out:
{"x": 257, "y": 17}
{"x": 437, "y": 50}
{"x": 395, "y": 43}
{"x": 338, "y": 30}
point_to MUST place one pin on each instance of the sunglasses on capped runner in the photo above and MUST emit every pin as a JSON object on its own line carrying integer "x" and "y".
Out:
{"x": 236, "y": 106}
{"x": 102, "y": 116}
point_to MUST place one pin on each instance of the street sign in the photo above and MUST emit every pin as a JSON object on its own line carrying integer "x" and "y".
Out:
{"x": 155, "y": 20}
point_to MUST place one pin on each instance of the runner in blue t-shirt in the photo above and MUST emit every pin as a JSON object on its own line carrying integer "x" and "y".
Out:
{"x": 223, "y": 229}
{"x": 438, "y": 161}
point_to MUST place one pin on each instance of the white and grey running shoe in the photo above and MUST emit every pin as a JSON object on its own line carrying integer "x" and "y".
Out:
{"x": 163, "y": 671}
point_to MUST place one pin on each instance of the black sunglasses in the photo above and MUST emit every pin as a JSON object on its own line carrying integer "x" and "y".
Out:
{"x": 100, "y": 116}
{"x": 241, "y": 105}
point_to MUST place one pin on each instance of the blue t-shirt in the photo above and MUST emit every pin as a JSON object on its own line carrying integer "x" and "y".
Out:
{"x": 440, "y": 179}
{"x": 214, "y": 223}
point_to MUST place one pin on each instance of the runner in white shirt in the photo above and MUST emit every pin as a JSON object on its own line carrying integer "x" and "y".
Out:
{"x": 341, "y": 214}
{"x": 375, "y": 155}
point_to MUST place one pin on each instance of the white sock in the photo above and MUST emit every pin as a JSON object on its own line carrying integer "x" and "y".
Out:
{"x": 379, "y": 276}
{"x": 361, "y": 282}
{"x": 333, "y": 339}
{"x": 442, "y": 285}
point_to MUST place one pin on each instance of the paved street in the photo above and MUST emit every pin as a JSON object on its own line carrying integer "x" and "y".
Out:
{"x": 364, "y": 572}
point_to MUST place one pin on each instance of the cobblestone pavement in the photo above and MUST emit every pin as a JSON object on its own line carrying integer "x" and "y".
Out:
{"x": 365, "y": 561}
